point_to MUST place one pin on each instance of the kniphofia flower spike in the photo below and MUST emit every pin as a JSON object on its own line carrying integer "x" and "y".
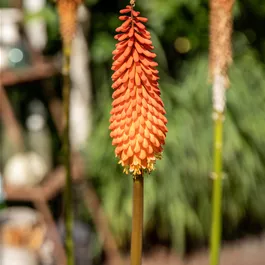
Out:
{"x": 137, "y": 123}
{"x": 67, "y": 10}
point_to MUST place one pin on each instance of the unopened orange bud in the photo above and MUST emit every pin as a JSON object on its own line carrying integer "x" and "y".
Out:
{"x": 67, "y": 10}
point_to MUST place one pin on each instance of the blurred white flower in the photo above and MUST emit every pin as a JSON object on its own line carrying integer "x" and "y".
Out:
{"x": 25, "y": 169}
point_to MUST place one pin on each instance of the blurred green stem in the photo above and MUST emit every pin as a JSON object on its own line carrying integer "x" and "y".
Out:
{"x": 217, "y": 190}
{"x": 137, "y": 221}
{"x": 67, "y": 156}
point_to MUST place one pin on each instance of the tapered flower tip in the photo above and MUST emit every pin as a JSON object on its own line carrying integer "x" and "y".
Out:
{"x": 67, "y": 10}
{"x": 138, "y": 122}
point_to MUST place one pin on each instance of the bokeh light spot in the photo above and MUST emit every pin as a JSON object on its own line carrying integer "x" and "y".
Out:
{"x": 182, "y": 45}
{"x": 15, "y": 55}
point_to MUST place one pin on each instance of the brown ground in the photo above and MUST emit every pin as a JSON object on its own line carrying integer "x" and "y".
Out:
{"x": 250, "y": 251}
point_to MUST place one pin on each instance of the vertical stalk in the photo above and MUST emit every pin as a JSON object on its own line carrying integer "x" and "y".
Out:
{"x": 137, "y": 221}
{"x": 220, "y": 59}
{"x": 217, "y": 191}
{"x": 67, "y": 160}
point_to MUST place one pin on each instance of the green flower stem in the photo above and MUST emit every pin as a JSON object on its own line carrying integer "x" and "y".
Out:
{"x": 137, "y": 221}
{"x": 216, "y": 228}
{"x": 67, "y": 154}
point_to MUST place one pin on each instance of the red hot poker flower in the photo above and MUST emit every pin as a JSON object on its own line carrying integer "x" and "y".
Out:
{"x": 137, "y": 123}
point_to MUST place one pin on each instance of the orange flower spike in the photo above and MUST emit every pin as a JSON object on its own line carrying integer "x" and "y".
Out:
{"x": 137, "y": 123}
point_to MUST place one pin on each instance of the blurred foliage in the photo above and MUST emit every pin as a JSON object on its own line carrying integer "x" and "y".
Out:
{"x": 178, "y": 193}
